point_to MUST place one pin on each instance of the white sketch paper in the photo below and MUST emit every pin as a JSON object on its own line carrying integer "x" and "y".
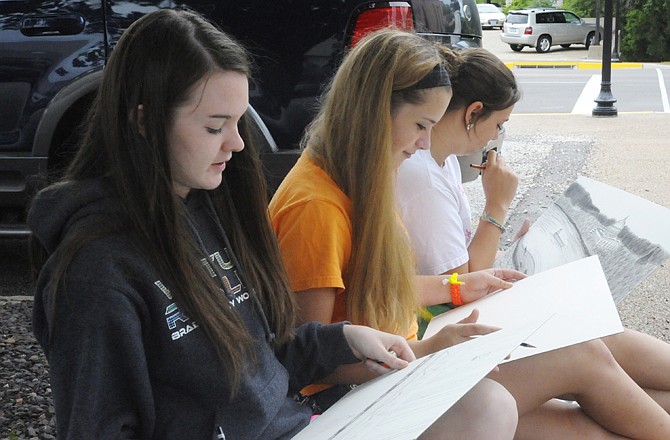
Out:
{"x": 628, "y": 233}
{"x": 576, "y": 292}
{"x": 402, "y": 404}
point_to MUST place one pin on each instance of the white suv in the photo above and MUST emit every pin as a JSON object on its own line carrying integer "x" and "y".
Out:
{"x": 543, "y": 28}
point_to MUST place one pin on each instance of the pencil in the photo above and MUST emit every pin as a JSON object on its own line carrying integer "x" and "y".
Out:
{"x": 479, "y": 167}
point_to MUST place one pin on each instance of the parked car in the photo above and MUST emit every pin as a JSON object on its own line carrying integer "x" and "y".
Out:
{"x": 543, "y": 28}
{"x": 490, "y": 16}
{"x": 52, "y": 53}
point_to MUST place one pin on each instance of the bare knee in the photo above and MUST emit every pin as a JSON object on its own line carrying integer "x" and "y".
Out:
{"x": 487, "y": 411}
{"x": 489, "y": 397}
{"x": 594, "y": 353}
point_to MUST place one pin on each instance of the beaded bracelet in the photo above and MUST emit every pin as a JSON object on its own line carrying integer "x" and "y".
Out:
{"x": 487, "y": 218}
{"x": 455, "y": 287}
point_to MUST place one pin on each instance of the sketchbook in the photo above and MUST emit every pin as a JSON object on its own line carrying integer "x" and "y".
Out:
{"x": 576, "y": 292}
{"x": 400, "y": 405}
{"x": 628, "y": 233}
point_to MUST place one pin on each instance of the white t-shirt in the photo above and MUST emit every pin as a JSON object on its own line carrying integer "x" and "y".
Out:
{"x": 435, "y": 211}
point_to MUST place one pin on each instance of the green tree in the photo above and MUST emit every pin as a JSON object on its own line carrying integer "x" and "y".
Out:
{"x": 647, "y": 32}
{"x": 521, "y": 4}
{"x": 583, "y": 8}
{"x": 644, "y": 25}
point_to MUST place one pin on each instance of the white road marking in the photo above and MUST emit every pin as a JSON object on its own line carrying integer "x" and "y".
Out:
{"x": 664, "y": 92}
{"x": 585, "y": 102}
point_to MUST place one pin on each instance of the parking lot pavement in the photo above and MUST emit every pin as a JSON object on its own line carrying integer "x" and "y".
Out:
{"x": 550, "y": 151}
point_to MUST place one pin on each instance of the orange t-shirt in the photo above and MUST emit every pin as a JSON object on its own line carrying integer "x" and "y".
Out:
{"x": 312, "y": 219}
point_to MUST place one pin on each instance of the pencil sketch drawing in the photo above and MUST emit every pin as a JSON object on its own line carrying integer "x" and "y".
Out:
{"x": 402, "y": 404}
{"x": 625, "y": 231}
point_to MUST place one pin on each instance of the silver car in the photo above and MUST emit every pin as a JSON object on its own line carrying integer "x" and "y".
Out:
{"x": 490, "y": 16}
{"x": 543, "y": 28}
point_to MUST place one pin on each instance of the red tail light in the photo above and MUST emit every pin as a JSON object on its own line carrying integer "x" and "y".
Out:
{"x": 378, "y": 18}
{"x": 528, "y": 31}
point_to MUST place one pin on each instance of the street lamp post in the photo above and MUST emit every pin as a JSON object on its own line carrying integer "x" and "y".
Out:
{"x": 605, "y": 100}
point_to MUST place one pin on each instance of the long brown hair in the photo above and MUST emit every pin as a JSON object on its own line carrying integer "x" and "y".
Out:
{"x": 157, "y": 63}
{"x": 351, "y": 138}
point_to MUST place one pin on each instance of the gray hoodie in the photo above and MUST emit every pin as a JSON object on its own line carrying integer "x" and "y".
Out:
{"x": 126, "y": 363}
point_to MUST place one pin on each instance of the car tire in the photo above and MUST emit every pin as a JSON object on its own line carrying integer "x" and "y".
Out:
{"x": 516, "y": 47}
{"x": 543, "y": 44}
{"x": 565, "y": 46}
{"x": 590, "y": 39}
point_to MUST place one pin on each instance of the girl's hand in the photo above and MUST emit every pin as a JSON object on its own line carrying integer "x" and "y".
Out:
{"x": 525, "y": 226}
{"x": 380, "y": 351}
{"x": 499, "y": 182}
{"x": 463, "y": 330}
{"x": 482, "y": 282}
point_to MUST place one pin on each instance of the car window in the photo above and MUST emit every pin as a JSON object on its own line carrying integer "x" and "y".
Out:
{"x": 549, "y": 18}
{"x": 557, "y": 17}
{"x": 571, "y": 18}
{"x": 515, "y": 18}
{"x": 487, "y": 7}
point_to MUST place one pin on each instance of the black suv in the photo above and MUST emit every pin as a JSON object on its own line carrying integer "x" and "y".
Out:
{"x": 52, "y": 54}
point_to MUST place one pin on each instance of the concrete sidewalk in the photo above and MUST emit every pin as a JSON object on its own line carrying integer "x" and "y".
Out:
{"x": 628, "y": 152}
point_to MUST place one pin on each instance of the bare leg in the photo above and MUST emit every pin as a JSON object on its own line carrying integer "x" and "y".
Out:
{"x": 646, "y": 360}
{"x": 560, "y": 420}
{"x": 486, "y": 412}
{"x": 589, "y": 372}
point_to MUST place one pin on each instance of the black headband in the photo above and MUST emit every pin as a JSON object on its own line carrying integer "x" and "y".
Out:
{"x": 438, "y": 77}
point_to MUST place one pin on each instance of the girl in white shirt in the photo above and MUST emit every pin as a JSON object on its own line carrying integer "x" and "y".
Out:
{"x": 436, "y": 215}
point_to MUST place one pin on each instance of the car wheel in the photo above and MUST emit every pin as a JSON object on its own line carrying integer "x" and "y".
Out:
{"x": 590, "y": 39}
{"x": 543, "y": 44}
{"x": 565, "y": 46}
{"x": 516, "y": 47}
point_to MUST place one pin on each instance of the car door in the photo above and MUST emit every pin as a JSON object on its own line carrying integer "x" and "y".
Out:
{"x": 544, "y": 25}
{"x": 559, "y": 28}
{"x": 44, "y": 46}
{"x": 575, "y": 31}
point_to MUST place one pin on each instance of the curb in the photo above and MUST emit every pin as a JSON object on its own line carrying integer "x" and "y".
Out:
{"x": 594, "y": 65}
{"x": 16, "y": 298}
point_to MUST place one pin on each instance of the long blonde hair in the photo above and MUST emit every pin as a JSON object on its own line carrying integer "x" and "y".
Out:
{"x": 351, "y": 140}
